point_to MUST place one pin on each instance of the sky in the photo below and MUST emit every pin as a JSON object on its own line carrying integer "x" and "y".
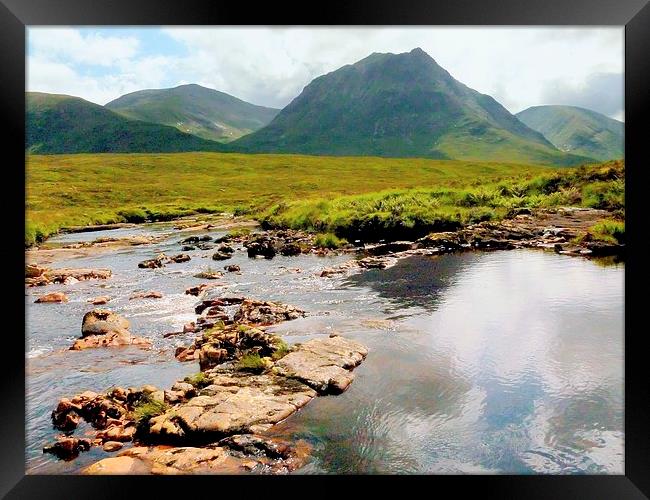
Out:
{"x": 518, "y": 66}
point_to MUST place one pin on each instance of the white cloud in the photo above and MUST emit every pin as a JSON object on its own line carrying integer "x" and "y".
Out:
{"x": 71, "y": 45}
{"x": 270, "y": 66}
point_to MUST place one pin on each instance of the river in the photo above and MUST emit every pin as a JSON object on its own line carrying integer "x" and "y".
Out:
{"x": 487, "y": 363}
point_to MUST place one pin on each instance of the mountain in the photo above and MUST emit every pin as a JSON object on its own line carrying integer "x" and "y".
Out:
{"x": 66, "y": 124}
{"x": 577, "y": 130}
{"x": 400, "y": 105}
{"x": 196, "y": 110}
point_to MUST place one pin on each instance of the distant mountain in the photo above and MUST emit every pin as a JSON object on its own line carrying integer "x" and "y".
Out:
{"x": 577, "y": 130}
{"x": 196, "y": 110}
{"x": 400, "y": 105}
{"x": 66, "y": 124}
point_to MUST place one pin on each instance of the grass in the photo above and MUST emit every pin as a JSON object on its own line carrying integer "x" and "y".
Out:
{"x": 148, "y": 408}
{"x": 251, "y": 362}
{"x": 198, "y": 380}
{"x": 281, "y": 350}
{"x": 84, "y": 189}
{"x": 411, "y": 213}
{"x": 329, "y": 240}
{"x": 611, "y": 231}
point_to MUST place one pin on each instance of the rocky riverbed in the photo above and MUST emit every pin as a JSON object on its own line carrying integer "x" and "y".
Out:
{"x": 250, "y": 379}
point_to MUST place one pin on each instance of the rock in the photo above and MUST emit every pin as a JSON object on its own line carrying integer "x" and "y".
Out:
{"x": 448, "y": 240}
{"x": 146, "y": 295}
{"x": 65, "y": 275}
{"x": 205, "y": 246}
{"x": 290, "y": 249}
{"x": 34, "y": 271}
{"x": 323, "y": 364}
{"x": 226, "y": 249}
{"x": 99, "y": 301}
{"x": 237, "y": 455}
{"x": 261, "y": 248}
{"x": 330, "y": 271}
{"x": 241, "y": 402}
{"x": 188, "y": 248}
{"x": 183, "y": 257}
{"x": 209, "y": 275}
{"x": 199, "y": 289}
{"x": 266, "y": 313}
{"x": 112, "y": 446}
{"x": 68, "y": 448}
{"x": 117, "y": 465}
{"x": 189, "y": 327}
{"x": 121, "y": 433}
{"x": 52, "y": 297}
{"x": 104, "y": 328}
{"x": 388, "y": 248}
{"x": 373, "y": 263}
{"x": 221, "y": 256}
{"x": 232, "y": 268}
{"x": 155, "y": 263}
{"x": 102, "y": 321}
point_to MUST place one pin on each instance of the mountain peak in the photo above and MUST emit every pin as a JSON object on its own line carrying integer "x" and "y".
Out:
{"x": 399, "y": 105}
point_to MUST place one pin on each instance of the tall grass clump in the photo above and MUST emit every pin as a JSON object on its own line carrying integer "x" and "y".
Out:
{"x": 329, "y": 240}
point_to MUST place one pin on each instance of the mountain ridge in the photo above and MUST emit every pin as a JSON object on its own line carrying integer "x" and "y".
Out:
{"x": 578, "y": 130}
{"x": 192, "y": 108}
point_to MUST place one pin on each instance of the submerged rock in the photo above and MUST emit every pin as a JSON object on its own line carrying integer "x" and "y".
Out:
{"x": 209, "y": 275}
{"x": 146, "y": 295}
{"x": 55, "y": 297}
{"x": 99, "y": 301}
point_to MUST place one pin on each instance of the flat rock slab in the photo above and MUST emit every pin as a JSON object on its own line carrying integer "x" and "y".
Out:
{"x": 323, "y": 364}
{"x": 237, "y": 454}
{"x": 233, "y": 403}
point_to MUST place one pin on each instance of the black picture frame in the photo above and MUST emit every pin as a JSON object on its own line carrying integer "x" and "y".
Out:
{"x": 15, "y": 15}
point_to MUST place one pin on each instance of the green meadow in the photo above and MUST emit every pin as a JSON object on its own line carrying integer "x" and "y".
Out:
{"x": 347, "y": 196}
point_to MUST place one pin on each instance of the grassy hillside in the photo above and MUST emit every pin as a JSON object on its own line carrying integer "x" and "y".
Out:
{"x": 66, "y": 124}
{"x": 577, "y": 130}
{"x": 197, "y": 110}
{"x": 65, "y": 190}
{"x": 401, "y": 105}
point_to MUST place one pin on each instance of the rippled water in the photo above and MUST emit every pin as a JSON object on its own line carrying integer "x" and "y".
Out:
{"x": 502, "y": 362}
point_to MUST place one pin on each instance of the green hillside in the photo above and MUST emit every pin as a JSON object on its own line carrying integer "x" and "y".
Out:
{"x": 401, "y": 105}
{"x": 577, "y": 130}
{"x": 66, "y": 124}
{"x": 196, "y": 110}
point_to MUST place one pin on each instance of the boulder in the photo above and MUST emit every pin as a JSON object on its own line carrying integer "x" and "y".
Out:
{"x": 232, "y": 268}
{"x": 68, "y": 448}
{"x": 34, "y": 271}
{"x": 290, "y": 249}
{"x": 183, "y": 257}
{"x": 199, "y": 289}
{"x": 102, "y": 321}
{"x": 221, "y": 256}
{"x": 55, "y": 297}
{"x": 104, "y": 328}
{"x": 323, "y": 364}
{"x": 266, "y": 313}
{"x": 111, "y": 446}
